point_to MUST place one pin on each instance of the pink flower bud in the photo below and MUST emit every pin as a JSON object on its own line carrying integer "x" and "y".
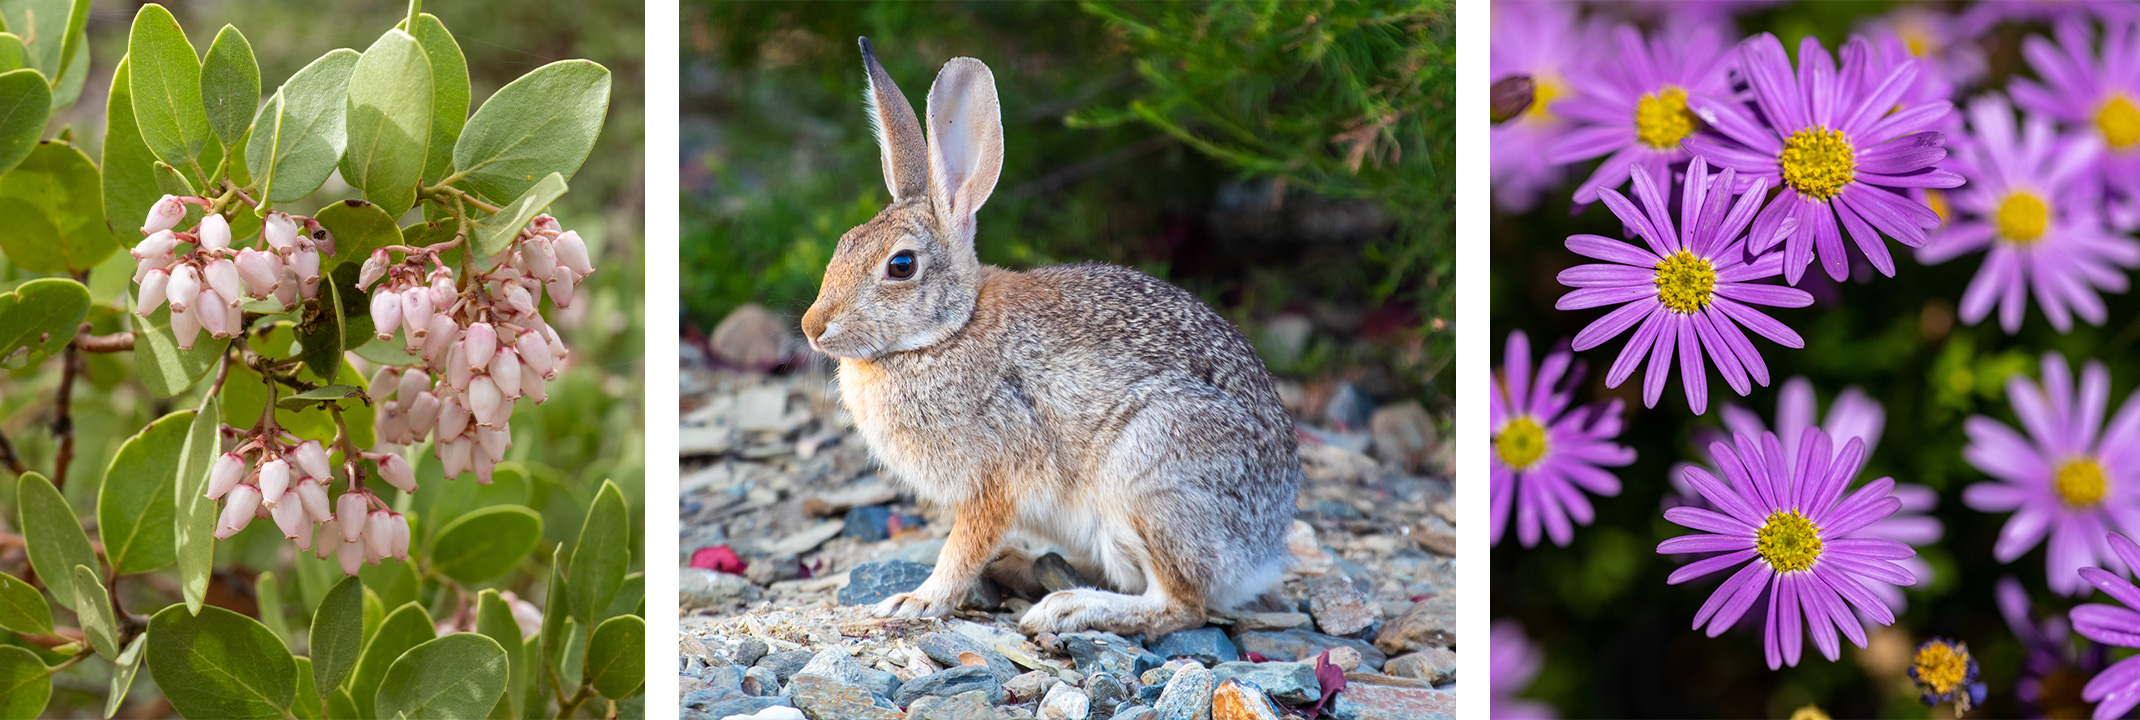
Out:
{"x": 185, "y": 285}
{"x": 311, "y": 459}
{"x": 386, "y": 314}
{"x": 482, "y": 341}
{"x": 534, "y": 351}
{"x": 305, "y": 262}
{"x": 329, "y": 536}
{"x": 287, "y": 289}
{"x": 312, "y": 494}
{"x": 539, "y": 258}
{"x": 290, "y": 517}
{"x": 185, "y": 328}
{"x": 374, "y": 268}
{"x": 164, "y": 215}
{"x": 400, "y": 545}
{"x": 225, "y": 474}
{"x": 485, "y": 467}
{"x": 560, "y": 289}
{"x": 260, "y": 271}
{"x": 443, "y": 292}
{"x": 280, "y": 232}
{"x": 349, "y": 511}
{"x": 484, "y": 399}
{"x": 232, "y": 317}
{"x": 392, "y": 423}
{"x": 452, "y": 419}
{"x": 321, "y": 238}
{"x": 210, "y": 308}
{"x": 152, "y": 292}
{"x": 572, "y": 253}
{"x": 518, "y": 300}
{"x": 413, "y": 381}
{"x": 304, "y": 537}
{"x": 505, "y": 371}
{"x": 214, "y": 232}
{"x": 384, "y": 382}
{"x": 238, "y": 509}
{"x": 423, "y": 415}
{"x": 163, "y": 241}
{"x": 153, "y": 263}
{"x": 397, "y": 472}
{"x": 544, "y": 224}
{"x": 222, "y": 276}
{"x": 274, "y": 479}
{"x": 416, "y": 311}
{"x": 458, "y": 372}
{"x": 558, "y": 351}
{"x": 495, "y": 441}
{"x": 379, "y": 535}
{"x": 439, "y": 339}
{"x": 456, "y": 456}
{"x": 350, "y": 554}
{"x": 534, "y": 388}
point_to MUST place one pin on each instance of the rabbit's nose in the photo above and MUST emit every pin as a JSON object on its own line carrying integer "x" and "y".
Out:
{"x": 813, "y": 322}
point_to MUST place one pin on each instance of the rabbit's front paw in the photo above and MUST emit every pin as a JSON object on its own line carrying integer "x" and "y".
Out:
{"x": 920, "y": 603}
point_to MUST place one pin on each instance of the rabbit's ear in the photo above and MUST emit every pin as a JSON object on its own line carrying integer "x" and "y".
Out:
{"x": 899, "y": 139}
{"x": 965, "y": 143}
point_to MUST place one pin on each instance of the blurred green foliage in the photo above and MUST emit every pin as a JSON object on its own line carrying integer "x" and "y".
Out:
{"x": 1135, "y": 134}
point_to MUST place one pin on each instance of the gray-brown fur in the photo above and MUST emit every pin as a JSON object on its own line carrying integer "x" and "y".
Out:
{"x": 1088, "y": 406}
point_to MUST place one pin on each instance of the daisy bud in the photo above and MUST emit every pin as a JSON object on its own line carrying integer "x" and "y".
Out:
{"x": 534, "y": 387}
{"x": 211, "y": 310}
{"x": 412, "y": 382}
{"x": 535, "y": 351}
{"x": 505, "y": 371}
{"x": 386, "y": 314}
{"x": 185, "y": 327}
{"x": 485, "y": 467}
{"x": 349, "y": 511}
{"x": 443, "y": 291}
{"x": 482, "y": 341}
{"x": 397, "y": 472}
{"x": 423, "y": 415}
{"x": 374, "y": 268}
{"x": 572, "y": 253}
{"x": 261, "y": 271}
{"x": 238, "y": 509}
{"x": 312, "y": 494}
{"x": 280, "y": 232}
{"x": 495, "y": 441}
{"x": 400, "y": 545}
{"x": 305, "y": 262}
{"x": 164, "y": 215}
{"x": 439, "y": 338}
{"x": 225, "y": 474}
{"x": 456, "y": 456}
{"x": 329, "y": 539}
{"x": 290, "y": 517}
{"x": 452, "y": 419}
{"x": 350, "y": 554}
{"x": 560, "y": 289}
{"x": 152, "y": 292}
{"x": 385, "y": 381}
{"x": 185, "y": 285}
{"x": 214, "y": 232}
{"x": 458, "y": 370}
{"x": 416, "y": 311}
{"x": 163, "y": 241}
{"x": 484, "y": 399}
{"x": 379, "y": 535}
{"x": 222, "y": 275}
{"x": 153, "y": 263}
{"x": 311, "y": 458}
{"x": 274, "y": 479}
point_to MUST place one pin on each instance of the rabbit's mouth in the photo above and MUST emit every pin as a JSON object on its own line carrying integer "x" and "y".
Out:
{"x": 845, "y": 342}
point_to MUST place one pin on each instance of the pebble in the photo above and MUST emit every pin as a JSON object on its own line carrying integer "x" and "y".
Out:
{"x": 1055, "y": 573}
{"x": 1253, "y": 622}
{"x": 1234, "y": 700}
{"x": 1135, "y": 712}
{"x": 1030, "y": 686}
{"x": 723, "y": 677}
{"x": 1429, "y": 623}
{"x": 1106, "y": 652}
{"x": 1437, "y": 666}
{"x": 750, "y": 337}
{"x": 1106, "y": 692}
{"x": 781, "y": 712}
{"x": 868, "y": 524}
{"x": 1380, "y": 702}
{"x": 1404, "y": 436}
{"x": 722, "y": 703}
{"x": 1188, "y": 695}
{"x": 1345, "y": 657}
{"x": 1339, "y": 607}
{"x": 700, "y": 589}
{"x": 955, "y": 681}
{"x": 785, "y": 664}
{"x": 835, "y": 663}
{"x": 748, "y": 651}
{"x": 1290, "y": 682}
{"x": 1064, "y": 703}
{"x": 963, "y": 706}
{"x": 1309, "y": 558}
{"x": 761, "y": 682}
{"x": 823, "y": 698}
{"x": 1303, "y": 646}
{"x": 945, "y": 648}
{"x": 1436, "y": 535}
{"x": 871, "y": 583}
{"x": 1207, "y": 645}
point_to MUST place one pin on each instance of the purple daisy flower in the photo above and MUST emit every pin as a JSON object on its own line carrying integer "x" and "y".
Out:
{"x": 2072, "y": 477}
{"x": 1827, "y": 138}
{"x": 1635, "y": 111}
{"x": 2032, "y": 206}
{"x": 2052, "y": 672}
{"x": 1982, "y": 16}
{"x": 1793, "y": 534}
{"x": 1513, "y": 661}
{"x": 1951, "y": 57}
{"x": 1689, "y": 290}
{"x": 2099, "y": 95}
{"x": 1543, "y": 40}
{"x": 2116, "y": 690}
{"x": 1546, "y": 455}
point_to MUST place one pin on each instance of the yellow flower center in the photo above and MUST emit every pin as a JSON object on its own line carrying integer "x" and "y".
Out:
{"x": 1809, "y": 712}
{"x": 1662, "y": 118}
{"x": 1685, "y": 282}
{"x": 1936, "y": 199}
{"x": 2022, "y": 217}
{"x": 2119, "y": 121}
{"x": 1818, "y": 162}
{"x": 1941, "y": 667}
{"x": 2081, "y": 482}
{"x": 1788, "y": 541}
{"x": 1544, "y": 90}
{"x": 1522, "y": 443}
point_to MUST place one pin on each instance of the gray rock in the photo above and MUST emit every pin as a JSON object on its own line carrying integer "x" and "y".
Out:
{"x": 835, "y": 663}
{"x": 1207, "y": 645}
{"x": 699, "y": 589}
{"x": 1106, "y": 692}
{"x": 871, "y": 583}
{"x": 785, "y": 664}
{"x": 1064, "y": 703}
{"x": 1428, "y": 623}
{"x": 1339, "y": 607}
{"x": 1106, "y": 652}
{"x": 1055, "y": 573}
{"x": 1290, "y": 682}
{"x": 1253, "y": 622}
{"x": 762, "y": 682}
{"x": 1404, "y": 436}
{"x": 1434, "y": 665}
{"x": 723, "y": 677}
{"x": 749, "y": 650}
{"x": 957, "y": 680}
{"x": 1150, "y": 693}
{"x": 1303, "y": 646}
{"x": 823, "y": 698}
{"x": 722, "y": 703}
{"x": 1380, "y": 702}
{"x": 1188, "y": 695}
{"x": 963, "y": 706}
{"x": 1030, "y": 686}
{"x": 772, "y": 713}
{"x": 1135, "y": 712}
{"x": 944, "y": 648}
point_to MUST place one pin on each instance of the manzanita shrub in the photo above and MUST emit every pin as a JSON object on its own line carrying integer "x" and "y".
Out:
{"x": 341, "y": 362}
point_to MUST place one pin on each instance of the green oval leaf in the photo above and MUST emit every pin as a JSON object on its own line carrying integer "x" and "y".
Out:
{"x": 230, "y": 85}
{"x": 23, "y": 608}
{"x": 161, "y": 365}
{"x": 13, "y": 54}
{"x": 53, "y": 535}
{"x": 449, "y": 93}
{"x": 406, "y": 627}
{"x": 494, "y": 618}
{"x": 25, "y": 102}
{"x": 75, "y": 74}
{"x": 342, "y": 396}
{"x": 601, "y": 555}
{"x": 545, "y": 122}
{"x": 42, "y": 315}
{"x": 194, "y": 520}
{"x": 43, "y": 19}
{"x": 129, "y": 168}
{"x": 389, "y": 121}
{"x": 127, "y": 665}
{"x": 616, "y": 657}
{"x": 299, "y": 134}
{"x": 486, "y": 543}
{"x": 92, "y": 607}
{"x": 337, "y": 633}
{"x": 495, "y": 232}
{"x": 166, "y": 87}
{"x": 359, "y": 227}
{"x": 356, "y": 308}
{"x": 220, "y": 664}
{"x": 135, "y": 506}
{"x": 54, "y": 205}
{"x": 25, "y": 684}
{"x": 461, "y": 675}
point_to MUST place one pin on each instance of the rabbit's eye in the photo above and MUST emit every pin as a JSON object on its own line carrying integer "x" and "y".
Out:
{"x": 901, "y": 266}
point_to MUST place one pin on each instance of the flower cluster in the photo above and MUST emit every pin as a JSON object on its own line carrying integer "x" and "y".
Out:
{"x": 206, "y": 281}
{"x": 274, "y": 475}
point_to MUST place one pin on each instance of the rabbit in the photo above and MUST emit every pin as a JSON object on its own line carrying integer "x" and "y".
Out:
{"x": 1087, "y": 406}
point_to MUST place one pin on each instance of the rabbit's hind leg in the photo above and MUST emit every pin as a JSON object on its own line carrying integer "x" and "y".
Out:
{"x": 1171, "y": 601}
